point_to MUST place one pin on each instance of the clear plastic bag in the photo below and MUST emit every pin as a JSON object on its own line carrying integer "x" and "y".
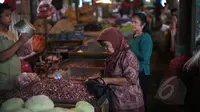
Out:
{"x": 172, "y": 91}
{"x": 46, "y": 9}
{"x": 27, "y": 79}
{"x": 25, "y": 67}
{"x": 26, "y": 49}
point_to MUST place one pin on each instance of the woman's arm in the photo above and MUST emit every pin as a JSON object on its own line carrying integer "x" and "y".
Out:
{"x": 116, "y": 81}
{"x": 130, "y": 72}
{"x": 8, "y": 53}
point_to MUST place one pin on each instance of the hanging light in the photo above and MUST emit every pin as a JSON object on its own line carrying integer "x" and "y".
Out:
{"x": 104, "y": 1}
{"x": 2, "y": 1}
{"x": 148, "y": 1}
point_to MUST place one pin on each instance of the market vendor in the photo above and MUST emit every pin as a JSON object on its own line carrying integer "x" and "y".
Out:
{"x": 121, "y": 73}
{"x": 9, "y": 45}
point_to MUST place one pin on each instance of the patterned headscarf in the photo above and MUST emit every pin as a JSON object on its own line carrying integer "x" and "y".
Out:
{"x": 115, "y": 37}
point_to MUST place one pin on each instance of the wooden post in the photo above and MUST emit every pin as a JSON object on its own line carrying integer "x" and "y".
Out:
{"x": 183, "y": 40}
{"x": 76, "y": 10}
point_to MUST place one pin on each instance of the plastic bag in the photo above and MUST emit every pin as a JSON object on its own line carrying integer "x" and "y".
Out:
{"x": 27, "y": 79}
{"x": 172, "y": 91}
{"x": 26, "y": 49}
{"x": 25, "y": 67}
{"x": 46, "y": 9}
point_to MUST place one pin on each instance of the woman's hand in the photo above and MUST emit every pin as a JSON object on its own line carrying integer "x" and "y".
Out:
{"x": 103, "y": 81}
{"x": 95, "y": 76}
{"x": 24, "y": 37}
{"x": 114, "y": 81}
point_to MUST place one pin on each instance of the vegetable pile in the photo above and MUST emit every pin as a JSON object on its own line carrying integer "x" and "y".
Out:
{"x": 85, "y": 66}
{"x": 25, "y": 67}
{"x": 27, "y": 79}
{"x": 58, "y": 89}
{"x": 41, "y": 103}
{"x": 26, "y": 49}
{"x": 38, "y": 43}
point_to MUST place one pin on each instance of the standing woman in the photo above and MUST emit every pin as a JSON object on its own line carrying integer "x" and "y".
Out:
{"x": 141, "y": 44}
{"x": 121, "y": 73}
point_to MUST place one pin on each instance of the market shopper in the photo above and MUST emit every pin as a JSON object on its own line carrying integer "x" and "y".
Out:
{"x": 173, "y": 28}
{"x": 192, "y": 81}
{"x": 121, "y": 73}
{"x": 141, "y": 44}
{"x": 9, "y": 62}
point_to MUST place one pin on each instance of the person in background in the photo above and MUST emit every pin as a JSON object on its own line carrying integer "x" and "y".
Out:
{"x": 141, "y": 44}
{"x": 128, "y": 7}
{"x": 121, "y": 73}
{"x": 173, "y": 28}
{"x": 9, "y": 45}
{"x": 192, "y": 81}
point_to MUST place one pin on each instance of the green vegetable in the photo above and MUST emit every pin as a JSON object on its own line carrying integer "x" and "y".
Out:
{"x": 12, "y": 104}
{"x": 83, "y": 106}
{"x": 70, "y": 110}
{"x": 23, "y": 110}
{"x": 126, "y": 28}
{"x": 39, "y": 103}
{"x": 106, "y": 26}
{"x": 57, "y": 109}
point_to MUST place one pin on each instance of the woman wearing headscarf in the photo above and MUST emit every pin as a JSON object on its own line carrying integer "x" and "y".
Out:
{"x": 192, "y": 81}
{"x": 121, "y": 73}
{"x": 141, "y": 44}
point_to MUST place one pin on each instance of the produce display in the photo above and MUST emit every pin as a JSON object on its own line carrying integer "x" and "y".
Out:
{"x": 41, "y": 68}
{"x": 62, "y": 89}
{"x": 92, "y": 27}
{"x": 40, "y": 26}
{"x": 76, "y": 65}
{"x": 86, "y": 8}
{"x": 23, "y": 110}
{"x": 25, "y": 67}
{"x": 58, "y": 109}
{"x": 38, "y": 43}
{"x": 81, "y": 78}
{"x": 83, "y": 106}
{"x": 27, "y": 79}
{"x": 26, "y": 49}
{"x": 86, "y": 14}
{"x": 126, "y": 28}
{"x": 45, "y": 9}
{"x": 56, "y": 73}
{"x": 107, "y": 25}
{"x": 41, "y": 103}
{"x": 71, "y": 14}
{"x": 11, "y": 105}
{"x": 62, "y": 26}
{"x": 87, "y": 19}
